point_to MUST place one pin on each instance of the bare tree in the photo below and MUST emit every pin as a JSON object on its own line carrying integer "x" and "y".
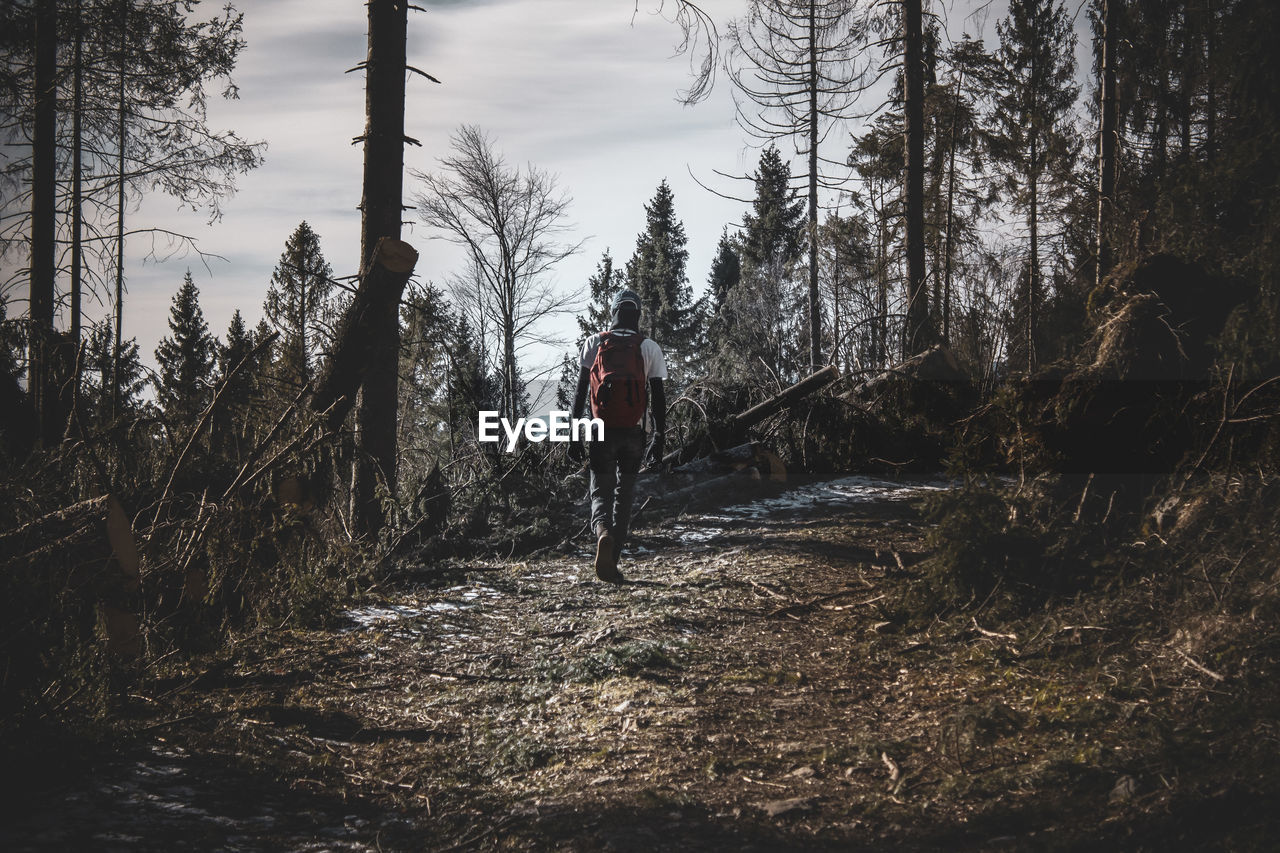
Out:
{"x": 511, "y": 223}
{"x": 1107, "y": 136}
{"x": 917, "y": 336}
{"x": 793, "y": 61}
{"x": 381, "y": 207}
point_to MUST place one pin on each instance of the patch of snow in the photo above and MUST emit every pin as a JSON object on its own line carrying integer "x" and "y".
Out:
{"x": 821, "y": 497}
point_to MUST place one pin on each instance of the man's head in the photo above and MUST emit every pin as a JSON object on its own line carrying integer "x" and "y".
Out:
{"x": 625, "y": 310}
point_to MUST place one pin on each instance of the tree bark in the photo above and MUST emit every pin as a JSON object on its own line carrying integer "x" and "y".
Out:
{"x": 354, "y": 340}
{"x": 948, "y": 236}
{"x": 119, "y": 306}
{"x": 1106, "y": 142}
{"x": 72, "y": 404}
{"x": 44, "y": 153}
{"x": 778, "y": 402}
{"x": 815, "y": 304}
{"x": 916, "y": 338}
{"x": 381, "y": 208}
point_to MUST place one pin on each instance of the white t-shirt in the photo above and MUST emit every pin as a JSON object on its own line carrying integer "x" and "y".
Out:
{"x": 655, "y": 364}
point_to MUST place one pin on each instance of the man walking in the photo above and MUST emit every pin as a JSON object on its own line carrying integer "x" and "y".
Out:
{"x": 620, "y": 369}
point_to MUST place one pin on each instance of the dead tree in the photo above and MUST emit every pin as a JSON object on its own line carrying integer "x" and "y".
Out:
{"x": 793, "y": 63}
{"x": 381, "y": 207}
{"x": 917, "y": 336}
{"x": 44, "y": 153}
{"x": 1107, "y": 137}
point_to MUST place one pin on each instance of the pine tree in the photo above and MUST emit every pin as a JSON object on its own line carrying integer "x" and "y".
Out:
{"x": 300, "y": 307}
{"x": 726, "y": 272}
{"x": 1033, "y": 139}
{"x": 470, "y": 385}
{"x": 656, "y": 271}
{"x": 762, "y": 323}
{"x": 233, "y": 419}
{"x": 793, "y": 61}
{"x": 185, "y": 356}
{"x": 601, "y": 286}
{"x": 773, "y": 232}
{"x": 100, "y": 365}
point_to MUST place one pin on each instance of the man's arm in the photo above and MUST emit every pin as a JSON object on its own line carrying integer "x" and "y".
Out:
{"x": 659, "y": 406}
{"x": 580, "y": 396}
{"x": 575, "y": 449}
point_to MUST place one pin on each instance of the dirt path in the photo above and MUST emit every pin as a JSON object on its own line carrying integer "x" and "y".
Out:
{"x": 748, "y": 690}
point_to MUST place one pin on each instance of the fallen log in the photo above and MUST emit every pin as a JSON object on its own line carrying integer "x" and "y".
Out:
{"x": 735, "y": 429}
{"x": 715, "y": 489}
{"x": 784, "y": 398}
{"x": 358, "y": 338}
{"x": 750, "y": 454}
{"x": 936, "y": 364}
{"x": 722, "y": 476}
{"x": 89, "y": 549}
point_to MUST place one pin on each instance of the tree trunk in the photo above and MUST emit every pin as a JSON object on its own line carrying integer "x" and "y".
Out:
{"x": 354, "y": 339}
{"x": 1211, "y": 80}
{"x": 791, "y": 394}
{"x": 119, "y": 306}
{"x": 77, "y": 225}
{"x": 44, "y": 154}
{"x": 1033, "y": 265}
{"x": 815, "y": 305}
{"x": 88, "y": 549}
{"x": 381, "y": 209}
{"x": 1106, "y": 142}
{"x": 951, "y": 203}
{"x": 916, "y": 337}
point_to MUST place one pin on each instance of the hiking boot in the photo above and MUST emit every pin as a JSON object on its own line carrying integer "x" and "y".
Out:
{"x": 607, "y": 558}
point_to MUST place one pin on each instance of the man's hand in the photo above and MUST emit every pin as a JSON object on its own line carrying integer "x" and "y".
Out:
{"x": 577, "y": 453}
{"x": 658, "y": 450}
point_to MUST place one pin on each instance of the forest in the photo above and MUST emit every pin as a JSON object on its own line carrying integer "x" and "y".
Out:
{"x": 992, "y": 349}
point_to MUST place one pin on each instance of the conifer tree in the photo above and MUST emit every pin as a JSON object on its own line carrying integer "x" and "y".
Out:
{"x": 773, "y": 232}
{"x": 726, "y": 272}
{"x": 762, "y": 322}
{"x": 601, "y": 287}
{"x": 300, "y": 307}
{"x": 102, "y": 370}
{"x": 185, "y": 356}
{"x": 657, "y": 272}
{"x": 233, "y": 420}
{"x": 792, "y": 61}
{"x": 1032, "y": 138}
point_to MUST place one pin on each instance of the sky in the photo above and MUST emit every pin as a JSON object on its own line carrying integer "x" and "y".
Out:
{"x": 583, "y": 89}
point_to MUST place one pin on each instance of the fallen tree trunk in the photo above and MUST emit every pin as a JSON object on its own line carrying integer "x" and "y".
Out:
{"x": 735, "y": 429}
{"x": 714, "y": 490}
{"x": 89, "y": 549}
{"x": 724, "y": 476}
{"x": 786, "y": 397}
{"x": 359, "y": 337}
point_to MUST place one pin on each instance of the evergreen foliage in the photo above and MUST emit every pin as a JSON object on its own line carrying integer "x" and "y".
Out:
{"x": 301, "y": 308}
{"x": 186, "y": 356}
{"x": 1034, "y": 142}
{"x": 657, "y": 272}
{"x": 601, "y": 287}
{"x": 760, "y": 327}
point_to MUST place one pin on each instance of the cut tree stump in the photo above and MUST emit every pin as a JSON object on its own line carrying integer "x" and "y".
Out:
{"x": 358, "y": 339}
{"x": 89, "y": 548}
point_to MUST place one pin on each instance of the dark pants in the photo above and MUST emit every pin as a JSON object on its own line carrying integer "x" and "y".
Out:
{"x": 615, "y": 461}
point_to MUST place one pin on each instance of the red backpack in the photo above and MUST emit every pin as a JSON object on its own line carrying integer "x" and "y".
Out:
{"x": 618, "y": 382}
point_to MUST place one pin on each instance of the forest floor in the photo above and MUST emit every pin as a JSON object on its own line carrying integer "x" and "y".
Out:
{"x": 754, "y": 687}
